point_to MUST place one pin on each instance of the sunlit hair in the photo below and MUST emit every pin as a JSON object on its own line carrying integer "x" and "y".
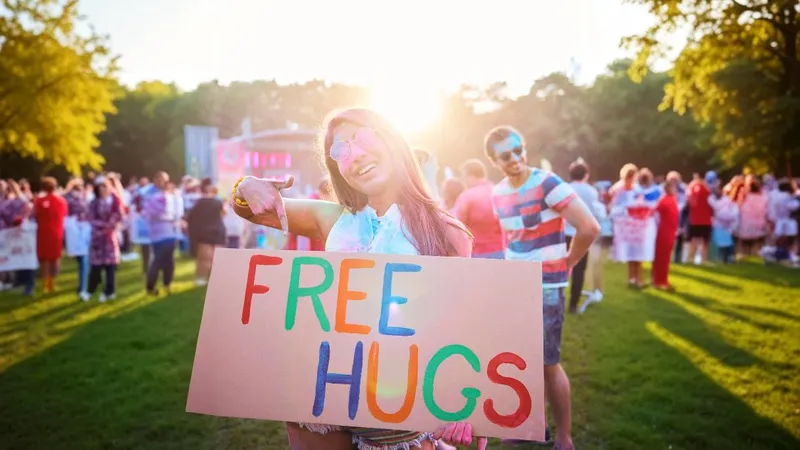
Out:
{"x": 451, "y": 189}
{"x": 49, "y": 184}
{"x": 499, "y": 134}
{"x": 474, "y": 168}
{"x": 425, "y": 219}
{"x": 207, "y": 186}
{"x": 671, "y": 186}
{"x": 578, "y": 170}
{"x": 645, "y": 177}
{"x": 674, "y": 176}
{"x": 324, "y": 185}
{"x": 628, "y": 171}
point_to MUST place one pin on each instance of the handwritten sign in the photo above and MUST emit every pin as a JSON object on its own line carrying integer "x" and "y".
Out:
{"x": 18, "y": 248}
{"x": 77, "y": 236}
{"x": 634, "y": 238}
{"x": 367, "y": 340}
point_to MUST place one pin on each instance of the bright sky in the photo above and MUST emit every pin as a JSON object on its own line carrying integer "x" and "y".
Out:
{"x": 426, "y": 43}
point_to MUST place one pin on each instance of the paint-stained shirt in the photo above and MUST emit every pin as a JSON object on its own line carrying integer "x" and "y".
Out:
{"x": 531, "y": 218}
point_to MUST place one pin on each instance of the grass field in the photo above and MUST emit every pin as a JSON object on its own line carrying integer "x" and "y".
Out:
{"x": 714, "y": 366}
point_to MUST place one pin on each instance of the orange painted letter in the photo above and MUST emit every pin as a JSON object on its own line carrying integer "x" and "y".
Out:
{"x": 372, "y": 386}
{"x": 345, "y": 295}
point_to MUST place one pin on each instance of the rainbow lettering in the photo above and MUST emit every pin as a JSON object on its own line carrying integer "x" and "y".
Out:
{"x": 353, "y": 379}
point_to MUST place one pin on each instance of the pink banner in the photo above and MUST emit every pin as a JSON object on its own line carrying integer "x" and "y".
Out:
{"x": 231, "y": 164}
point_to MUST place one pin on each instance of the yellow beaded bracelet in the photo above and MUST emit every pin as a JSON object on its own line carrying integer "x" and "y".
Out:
{"x": 235, "y": 196}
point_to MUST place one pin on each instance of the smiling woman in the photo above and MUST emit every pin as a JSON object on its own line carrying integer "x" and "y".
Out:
{"x": 410, "y": 106}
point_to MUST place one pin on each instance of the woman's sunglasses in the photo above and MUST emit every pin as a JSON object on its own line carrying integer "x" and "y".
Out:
{"x": 506, "y": 156}
{"x": 364, "y": 138}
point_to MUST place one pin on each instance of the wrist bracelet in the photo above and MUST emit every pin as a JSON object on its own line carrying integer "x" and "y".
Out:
{"x": 236, "y": 199}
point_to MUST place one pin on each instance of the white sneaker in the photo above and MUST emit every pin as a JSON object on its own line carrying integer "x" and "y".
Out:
{"x": 103, "y": 298}
{"x": 594, "y": 297}
{"x": 85, "y": 296}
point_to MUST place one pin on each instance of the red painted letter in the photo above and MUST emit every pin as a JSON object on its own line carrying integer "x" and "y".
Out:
{"x": 522, "y": 413}
{"x": 252, "y": 288}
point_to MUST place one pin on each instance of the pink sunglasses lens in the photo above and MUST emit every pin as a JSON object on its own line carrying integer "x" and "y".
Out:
{"x": 340, "y": 151}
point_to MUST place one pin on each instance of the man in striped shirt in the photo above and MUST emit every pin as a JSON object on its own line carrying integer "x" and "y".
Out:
{"x": 532, "y": 205}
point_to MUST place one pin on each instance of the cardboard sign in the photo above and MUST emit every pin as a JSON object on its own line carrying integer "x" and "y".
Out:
{"x": 77, "y": 236}
{"x": 368, "y": 340}
{"x": 634, "y": 238}
{"x": 18, "y": 248}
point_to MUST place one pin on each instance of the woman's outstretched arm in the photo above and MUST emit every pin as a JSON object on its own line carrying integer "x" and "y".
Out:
{"x": 266, "y": 206}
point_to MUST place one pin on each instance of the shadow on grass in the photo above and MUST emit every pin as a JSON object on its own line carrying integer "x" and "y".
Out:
{"x": 121, "y": 383}
{"x": 771, "y": 311}
{"x": 692, "y": 328}
{"x": 680, "y": 271}
{"x": 632, "y": 390}
{"x": 717, "y": 307}
{"x": 68, "y": 305}
{"x": 773, "y": 274}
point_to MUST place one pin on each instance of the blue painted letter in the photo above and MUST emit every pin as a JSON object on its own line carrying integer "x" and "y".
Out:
{"x": 323, "y": 378}
{"x": 387, "y": 299}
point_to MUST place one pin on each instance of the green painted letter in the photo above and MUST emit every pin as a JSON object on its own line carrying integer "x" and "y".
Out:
{"x": 295, "y": 291}
{"x": 471, "y": 394}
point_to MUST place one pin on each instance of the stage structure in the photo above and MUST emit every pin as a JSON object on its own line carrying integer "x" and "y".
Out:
{"x": 269, "y": 153}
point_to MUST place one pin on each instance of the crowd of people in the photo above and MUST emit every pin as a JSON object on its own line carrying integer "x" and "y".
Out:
{"x": 382, "y": 196}
{"x": 98, "y": 222}
{"x": 677, "y": 222}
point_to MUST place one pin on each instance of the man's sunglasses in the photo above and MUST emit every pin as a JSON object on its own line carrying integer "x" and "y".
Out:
{"x": 506, "y": 156}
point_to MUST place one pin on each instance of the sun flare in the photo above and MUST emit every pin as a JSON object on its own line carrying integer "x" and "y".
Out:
{"x": 409, "y": 106}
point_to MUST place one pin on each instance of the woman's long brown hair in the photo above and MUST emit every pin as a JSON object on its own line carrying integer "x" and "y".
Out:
{"x": 423, "y": 217}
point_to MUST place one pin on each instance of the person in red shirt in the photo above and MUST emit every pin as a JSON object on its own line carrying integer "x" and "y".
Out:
{"x": 474, "y": 209}
{"x": 700, "y": 215}
{"x": 668, "y": 223}
{"x": 50, "y": 210}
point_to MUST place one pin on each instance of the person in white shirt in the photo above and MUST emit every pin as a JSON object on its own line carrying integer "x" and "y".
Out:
{"x": 234, "y": 227}
{"x": 579, "y": 180}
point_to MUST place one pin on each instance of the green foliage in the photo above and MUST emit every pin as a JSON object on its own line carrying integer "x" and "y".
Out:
{"x": 629, "y": 127}
{"x": 56, "y": 86}
{"x": 147, "y": 134}
{"x": 610, "y": 123}
{"x": 739, "y": 72}
{"x": 138, "y": 138}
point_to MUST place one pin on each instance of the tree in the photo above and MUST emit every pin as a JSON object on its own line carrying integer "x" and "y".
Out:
{"x": 628, "y": 126}
{"x": 55, "y": 85}
{"x": 739, "y": 72}
{"x": 138, "y": 139}
{"x": 554, "y": 119}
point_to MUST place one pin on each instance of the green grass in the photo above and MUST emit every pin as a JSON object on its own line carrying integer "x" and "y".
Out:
{"x": 714, "y": 366}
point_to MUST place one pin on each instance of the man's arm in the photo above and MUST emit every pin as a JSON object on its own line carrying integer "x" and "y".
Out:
{"x": 561, "y": 197}
{"x": 586, "y": 229}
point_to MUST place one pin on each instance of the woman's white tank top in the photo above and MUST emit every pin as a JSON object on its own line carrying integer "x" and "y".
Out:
{"x": 365, "y": 232}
